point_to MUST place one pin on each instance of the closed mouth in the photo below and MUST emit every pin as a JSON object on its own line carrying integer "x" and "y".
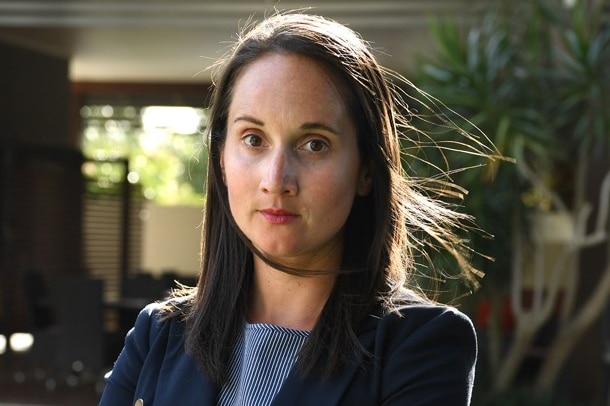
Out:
{"x": 278, "y": 216}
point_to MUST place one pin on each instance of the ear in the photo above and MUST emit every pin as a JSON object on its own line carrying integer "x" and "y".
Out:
{"x": 222, "y": 166}
{"x": 365, "y": 181}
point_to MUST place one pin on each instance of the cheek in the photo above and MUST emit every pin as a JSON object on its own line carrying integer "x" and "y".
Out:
{"x": 236, "y": 180}
{"x": 234, "y": 168}
{"x": 237, "y": 188}
{"x": 239, "y": 203}
{"x": 336, "y": 190}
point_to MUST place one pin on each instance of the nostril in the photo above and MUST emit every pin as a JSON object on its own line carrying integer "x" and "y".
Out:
{"x": 278, "y": 176}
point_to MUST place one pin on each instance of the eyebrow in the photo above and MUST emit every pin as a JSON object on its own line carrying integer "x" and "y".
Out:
{"x": 249, "y": 119}
{"x": 305, "y": 126}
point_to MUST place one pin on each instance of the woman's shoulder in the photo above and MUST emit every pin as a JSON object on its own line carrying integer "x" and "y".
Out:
{"x": 432, "y": 315}
{"x": 419, "y": 347}
{"x": 167, "y": 314}
{"x": 155, "y": 341}
{"x": 414, "y": 318}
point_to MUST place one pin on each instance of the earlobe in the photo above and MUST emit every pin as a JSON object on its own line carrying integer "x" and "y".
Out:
{"x": 222, "y": 168}
{"x": 365, "y": 182}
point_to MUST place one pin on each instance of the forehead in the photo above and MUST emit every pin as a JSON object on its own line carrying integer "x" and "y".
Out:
{"x": 285, "y": 69}
{"x": 279, "y": 78}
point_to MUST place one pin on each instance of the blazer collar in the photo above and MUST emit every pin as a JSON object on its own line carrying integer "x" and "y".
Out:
{"x": 329, "y": 391}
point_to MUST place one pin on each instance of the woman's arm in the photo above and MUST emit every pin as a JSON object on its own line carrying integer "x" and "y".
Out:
{"x": 121, "y": 382}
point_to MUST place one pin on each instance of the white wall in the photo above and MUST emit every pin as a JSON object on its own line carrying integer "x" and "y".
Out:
{"x": 171, "y": 238}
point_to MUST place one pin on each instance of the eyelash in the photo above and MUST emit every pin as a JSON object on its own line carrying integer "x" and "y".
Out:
{"x": 248, "y": 138}
{"x": 323, "y": 144}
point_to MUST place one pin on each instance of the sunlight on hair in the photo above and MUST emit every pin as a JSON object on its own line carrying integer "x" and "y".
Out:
{"x": 21, "y": 342}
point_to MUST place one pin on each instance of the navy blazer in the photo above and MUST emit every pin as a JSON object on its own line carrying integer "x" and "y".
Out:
{"x": 423, "y": 355}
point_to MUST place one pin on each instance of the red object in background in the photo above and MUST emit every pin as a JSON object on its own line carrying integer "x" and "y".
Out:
{"x": 483, "y": 315}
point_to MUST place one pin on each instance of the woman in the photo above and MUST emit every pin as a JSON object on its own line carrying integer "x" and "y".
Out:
{"x": 308, "y": 245}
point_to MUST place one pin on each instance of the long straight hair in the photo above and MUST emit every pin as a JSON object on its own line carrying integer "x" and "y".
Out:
{"x": 378, "y": 247}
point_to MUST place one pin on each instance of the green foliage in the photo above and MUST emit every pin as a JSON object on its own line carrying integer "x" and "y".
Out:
{"x": 166, "y": 164}
{"x": 534, "y": 78}
{"x": 583, "y": 80}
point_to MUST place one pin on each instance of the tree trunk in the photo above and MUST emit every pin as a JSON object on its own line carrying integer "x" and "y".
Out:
{"x": 494, "y": 334}
{"x": 522, "y": 339}
{"x": 572, "y": 330}
{"x": 571, "y": 333}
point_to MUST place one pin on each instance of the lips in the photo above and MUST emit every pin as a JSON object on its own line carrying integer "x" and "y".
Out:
{"x": 278, "y": 216}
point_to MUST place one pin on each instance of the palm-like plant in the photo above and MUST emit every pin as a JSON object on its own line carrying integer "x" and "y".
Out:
{"x": 535, "y": 79}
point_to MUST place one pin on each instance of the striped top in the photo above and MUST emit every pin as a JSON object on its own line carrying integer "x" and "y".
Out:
{"x": 261, "y": 360}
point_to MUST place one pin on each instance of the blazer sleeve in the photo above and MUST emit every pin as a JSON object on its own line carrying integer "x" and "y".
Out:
{"x": 122, "y": 380}
{"x": 432, "y": 361}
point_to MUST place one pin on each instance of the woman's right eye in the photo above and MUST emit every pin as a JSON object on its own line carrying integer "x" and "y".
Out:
{"x": 252, "y": 140}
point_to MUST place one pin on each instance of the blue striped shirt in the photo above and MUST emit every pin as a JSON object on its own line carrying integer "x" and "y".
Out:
{"x": 261, "y": 360}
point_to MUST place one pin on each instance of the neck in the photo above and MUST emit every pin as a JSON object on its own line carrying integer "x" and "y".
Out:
{"x": 287, "y": 300}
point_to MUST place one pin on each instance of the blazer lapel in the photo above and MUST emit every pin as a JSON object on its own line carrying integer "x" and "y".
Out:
{"x": 315, "y": 390}
{"x": 194, "y": 387}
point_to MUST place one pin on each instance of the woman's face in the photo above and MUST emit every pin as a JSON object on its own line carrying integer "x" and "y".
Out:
{"x": 290, "y": 161}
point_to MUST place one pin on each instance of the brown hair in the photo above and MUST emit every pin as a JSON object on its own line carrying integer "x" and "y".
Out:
{"x": 381, "y": 230}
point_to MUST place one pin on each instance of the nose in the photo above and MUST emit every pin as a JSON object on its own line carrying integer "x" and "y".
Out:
{"x": 279, "y": 175}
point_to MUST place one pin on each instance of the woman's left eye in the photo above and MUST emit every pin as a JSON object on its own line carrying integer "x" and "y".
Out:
{"x": 316, "y": 145}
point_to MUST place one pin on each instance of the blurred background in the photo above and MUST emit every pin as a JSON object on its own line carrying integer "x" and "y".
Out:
{"x": 102, "y": 161}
